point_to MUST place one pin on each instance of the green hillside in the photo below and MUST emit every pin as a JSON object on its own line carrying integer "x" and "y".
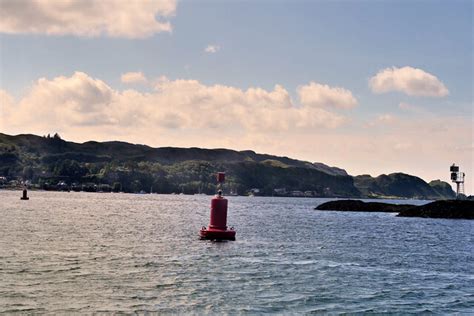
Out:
{"x": 120, "y": 166}
{"x": 402, "y": 185}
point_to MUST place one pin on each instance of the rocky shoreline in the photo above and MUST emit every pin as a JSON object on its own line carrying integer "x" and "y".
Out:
{"x": 361, "y": 206}
{"x": 453, "y": 209}
{"x": 456, "y": 209}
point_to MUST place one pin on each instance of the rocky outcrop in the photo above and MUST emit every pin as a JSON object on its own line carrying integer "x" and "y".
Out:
{"x": 361, "y": 206}
{"x": 454, "y": 209}
{"x": 460, "y": 209}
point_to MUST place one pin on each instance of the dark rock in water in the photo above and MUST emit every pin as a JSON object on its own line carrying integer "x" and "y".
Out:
{"x": 461, "y": 209}
{"x": 361, "y": 206}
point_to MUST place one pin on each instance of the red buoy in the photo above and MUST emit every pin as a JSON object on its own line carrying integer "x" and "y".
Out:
{"x": 217, "y": 229}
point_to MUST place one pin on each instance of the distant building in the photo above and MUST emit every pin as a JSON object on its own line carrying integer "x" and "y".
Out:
{"x": 62, "y": 186}
{"x": 280, "y": 191}
{"x": 297, "y": 193}
{"x": 105, "y": 188}
{"x": 253, "y": 192}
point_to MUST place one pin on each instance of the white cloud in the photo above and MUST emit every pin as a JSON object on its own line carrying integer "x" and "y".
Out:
{"x": 211, "y": 49}
{"x": 254, "y": 109}
{"x": 187, "y": 105}
{"x": 7, "y": 105}
{"x": 75, "y": 100}
{"x": 133, "y": 77}
{"x": 6, "y": 100}
{"x": 386, "y": 118}
{"x": 409, "y": 80}
{"x": 319, "y": 95}
{"x": 409, "y": 107}
{"x": 89, "y": 18}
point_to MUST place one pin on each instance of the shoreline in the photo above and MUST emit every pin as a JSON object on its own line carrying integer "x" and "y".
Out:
{"x": 34, "y": 189}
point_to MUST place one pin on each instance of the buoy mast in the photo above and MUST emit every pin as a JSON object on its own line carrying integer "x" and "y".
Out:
{"x": 25, "y": 194}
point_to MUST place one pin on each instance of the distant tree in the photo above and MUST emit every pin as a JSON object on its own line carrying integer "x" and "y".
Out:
{"x": 56, "y": 136}
{"x": 93, "y": 168}
{"x": 8, "y": 158}
{"x": 136, "y": 186}
{"x": 71, "y": 169}
{"x": 117, "y": 187}
{"x": 28, "y": 173}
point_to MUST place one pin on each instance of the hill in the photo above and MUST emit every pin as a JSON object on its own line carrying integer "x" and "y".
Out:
{"x": 121, "y": 166}
{"x": 402, "y": 185}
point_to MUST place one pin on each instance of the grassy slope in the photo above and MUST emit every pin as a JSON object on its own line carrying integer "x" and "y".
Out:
{"x": 246, "y": 169}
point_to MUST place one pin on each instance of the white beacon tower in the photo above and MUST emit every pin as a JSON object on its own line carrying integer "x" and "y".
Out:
{"x": 458, "y": 178}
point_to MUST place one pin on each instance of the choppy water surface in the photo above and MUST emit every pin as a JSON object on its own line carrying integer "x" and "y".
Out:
{"x": 80, "y": 252}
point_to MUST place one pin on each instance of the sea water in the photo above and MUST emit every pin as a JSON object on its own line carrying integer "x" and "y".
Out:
{"x": 89, "y": 252}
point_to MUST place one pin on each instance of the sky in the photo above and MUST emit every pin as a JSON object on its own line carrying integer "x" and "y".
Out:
{"x": 374, "y": 87}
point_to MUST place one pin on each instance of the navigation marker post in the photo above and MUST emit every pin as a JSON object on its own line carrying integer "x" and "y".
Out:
{"x": 217, "y": 229}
